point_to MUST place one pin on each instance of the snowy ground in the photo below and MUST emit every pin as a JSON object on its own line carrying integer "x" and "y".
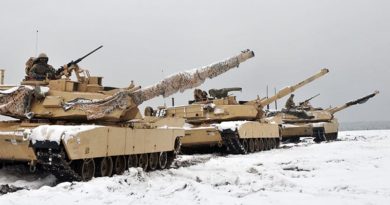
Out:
{"x": 355, "y": 170}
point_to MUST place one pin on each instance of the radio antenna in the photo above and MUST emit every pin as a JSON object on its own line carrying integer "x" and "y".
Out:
{"x": 267, "y": 98}
{"x": 36, "y": 44}
{"x": 162, "y": 73}
{"x": 276, "y": 102}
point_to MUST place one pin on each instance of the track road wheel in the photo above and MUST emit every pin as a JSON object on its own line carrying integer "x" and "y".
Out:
{"x": 162, "y": 160}
{"x": 177, "y": 146}
{"x": 153, "y": 161}
{"x": 245, "y": 145}
{"x": 104, "y": 167}
{"x": 171, "y": 158}
{"x": 119, "y": 165}
{"x": 261, "y": 144}
{"x": 143, "y": 161}
{"x": 257, "y": 144}
{"x": 335, "y": 136}
{"x": 251, "y": 145}
{"x": 86, "y": 169}
{"x": 132, "y": 161}
{"x": 272, "y": 143}
{"x": 267, "y": 144}
{"x": 277, "y": 143}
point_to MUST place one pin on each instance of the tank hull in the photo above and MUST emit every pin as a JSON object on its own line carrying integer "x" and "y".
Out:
{"x": 293, "y": 132}
{"x": 14, "y": 146}
{"x": 201, "y": 136}
{"x": 62, "y": 149}
{"x": 320, "y": 131}
{"x": 233, "y": 136}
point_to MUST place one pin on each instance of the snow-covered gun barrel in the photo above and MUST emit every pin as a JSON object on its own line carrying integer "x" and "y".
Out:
{"x": 288, "y": 90}
{"x": 128, "y": 99}
{"x": 189, "y": 79}
{"x": 355, "y": 102}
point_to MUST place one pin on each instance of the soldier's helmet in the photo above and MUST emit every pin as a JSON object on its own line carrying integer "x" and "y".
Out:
{"x": 43, "y": 56}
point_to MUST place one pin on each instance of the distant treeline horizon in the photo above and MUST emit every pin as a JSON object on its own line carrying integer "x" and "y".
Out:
{"x": 365, "y": 125}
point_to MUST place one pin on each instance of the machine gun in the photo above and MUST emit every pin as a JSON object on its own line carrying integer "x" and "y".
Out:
{"x": 64, "y": 70}
{"x": 222, "y": 93}
{"x": 305, "y": 102}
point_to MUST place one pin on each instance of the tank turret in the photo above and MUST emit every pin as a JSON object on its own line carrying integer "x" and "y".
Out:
{"x": 225, "y": 107}
{"x": 88, "y": 99}
{"x": 325, "y": 125}
{"x": 320, "y": 115}
{"x": 309, "y": 121}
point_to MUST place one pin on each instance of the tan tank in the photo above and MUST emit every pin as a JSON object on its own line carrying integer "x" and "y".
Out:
{"x": 80, "y": 129}
{"x": 306, "y": 120}
{"x": 222, "y": 121}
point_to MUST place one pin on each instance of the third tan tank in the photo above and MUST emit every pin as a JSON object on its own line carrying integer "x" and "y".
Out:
{"x": 305, "y": 120}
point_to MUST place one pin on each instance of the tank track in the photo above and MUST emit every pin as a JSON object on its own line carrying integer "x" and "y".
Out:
{"x": 54, "y": 162}
{"x": 320, "y": 135}
{"x": 232, "y": 142}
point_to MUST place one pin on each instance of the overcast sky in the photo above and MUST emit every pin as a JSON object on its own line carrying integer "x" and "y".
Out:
{"x": 146, "y": 40}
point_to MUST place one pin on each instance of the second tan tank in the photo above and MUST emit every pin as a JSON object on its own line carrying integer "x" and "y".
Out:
{"x": 222, "y": 121}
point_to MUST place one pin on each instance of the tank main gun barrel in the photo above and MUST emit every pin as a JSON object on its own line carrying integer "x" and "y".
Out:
{"x": 355, "y": 102}
{"x": 290, "y": 89}
{"x": 189, "y": 79}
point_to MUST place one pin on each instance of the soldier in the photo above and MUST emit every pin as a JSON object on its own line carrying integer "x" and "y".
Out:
{"x": 29, "y": 64}
{"x": 198, "y": 95}
{"x": 290, "y": 102}
{"x": 40, "y": 69}
{"x": 149, "y": 111}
